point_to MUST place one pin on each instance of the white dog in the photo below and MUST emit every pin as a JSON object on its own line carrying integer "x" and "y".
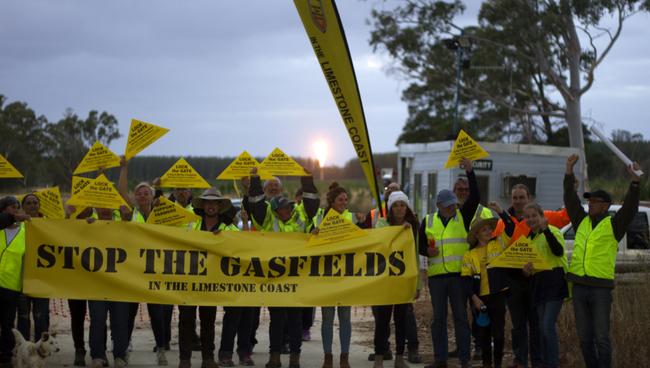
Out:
{"x": 29, "y": 354}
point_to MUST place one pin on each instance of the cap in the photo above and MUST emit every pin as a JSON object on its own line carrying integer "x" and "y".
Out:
{"x": 280, "y": 202}
{"x": 599, "y": 193}
{"x": 446, "y": 198}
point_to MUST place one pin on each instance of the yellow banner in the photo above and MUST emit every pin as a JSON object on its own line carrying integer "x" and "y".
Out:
{"x": 99, "y": 193}
{"x": 518, "y": 254}
{"x": 170, "y": 213}
{"x": 51, "y": 204}
{"x": 240, "y": 167}
{"x": 182, "y": 175}
{"x": 325, "y": 31}
{"x": 135, "y": 262}
{"x": 335, "y": 228}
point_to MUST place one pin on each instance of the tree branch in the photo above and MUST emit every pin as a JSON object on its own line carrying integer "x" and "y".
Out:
{"x": 598, "y": 60}
{"x": 499, "y": 101}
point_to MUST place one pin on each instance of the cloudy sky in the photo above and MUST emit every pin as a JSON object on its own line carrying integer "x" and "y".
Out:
{"x": 226, "y": 76}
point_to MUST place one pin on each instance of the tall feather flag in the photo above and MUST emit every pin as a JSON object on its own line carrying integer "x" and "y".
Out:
{"x": 327, "y": 37}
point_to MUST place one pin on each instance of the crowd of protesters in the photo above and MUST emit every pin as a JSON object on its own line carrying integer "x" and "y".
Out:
{"x": 456, "y": 244}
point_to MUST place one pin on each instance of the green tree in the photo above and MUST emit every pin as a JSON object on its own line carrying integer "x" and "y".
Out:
{"x": 518, "y": 56}
{"x": 71, "y": 137}
{"x": 23, "y": 142}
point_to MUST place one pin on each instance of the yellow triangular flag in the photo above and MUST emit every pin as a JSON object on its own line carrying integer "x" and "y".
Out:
{"x": 182, "y": 175}
{"x": 279, "y": 164}
{"x": 78, "y": 183}
{"x": 99, "y": 193}
{"x": 98, "y": 156}
{"x": 464, "y": 147}
{"x": 7, "y": 170}
{"x": 141, "y": 135}
{"x": 518, "y": 254}
{"x": 170, "y": 213}
{"x": 335, "y": 228}
{"x": 51, "y": 204}
{"x": 241, "y": 168}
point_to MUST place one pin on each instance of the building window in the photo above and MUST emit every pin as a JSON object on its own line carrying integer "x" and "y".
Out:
{"x": 432, "y": 191}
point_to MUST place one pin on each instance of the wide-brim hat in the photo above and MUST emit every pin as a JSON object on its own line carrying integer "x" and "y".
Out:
{"x": 211, "y": 194}
{"x": 477, "y": 225}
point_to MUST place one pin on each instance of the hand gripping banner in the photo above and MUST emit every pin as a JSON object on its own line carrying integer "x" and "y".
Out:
{"x": 125, "y": 261}
{"x": 325, "y": 31}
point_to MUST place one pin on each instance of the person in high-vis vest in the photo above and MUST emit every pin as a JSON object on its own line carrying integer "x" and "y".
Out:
{"x": 487, "y": 287}
{"x": 526, "y": 335}
{"x": 31, "y": 307}
{"x": 461, "y": 190}
{"x": 279, "y": 214}
{"x": 443, "y": 239}
{"x": 399, "y": 214}
{"x": 99, "y": 310}
{"x": 593, "y": 261}
{"x": 12, "y": 249}
{"x": 549, "y": 286}
{"x": 141, "y": 204}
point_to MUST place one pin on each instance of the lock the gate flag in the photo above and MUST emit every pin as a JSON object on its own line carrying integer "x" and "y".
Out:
{"x": 125, "y": 261}
{"x": 325, "y": 31}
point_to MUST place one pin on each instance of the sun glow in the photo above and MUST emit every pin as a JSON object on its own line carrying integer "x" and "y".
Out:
{"x": 320, "y": 151}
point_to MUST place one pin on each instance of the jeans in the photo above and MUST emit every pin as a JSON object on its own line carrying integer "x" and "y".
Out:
{"x": 255, "y": 323}
{"x": 77, "y": 319}
{"x": 492, "y": 336}
{"x": 8, "y": 303}
{"x": 119, "y": 314}
{"x": 525, "y": 325}
{"x": 158, "y": 315}
{"x": 40, "y": 309}
{"x": 442, "y": 289}
{"x": 345, "y": 328}
{"x": 592, "y": 307}
{"x": 236, "y": 322}
{"x": 186, "y": 331}
{"x": 382, "y": 315}
{"x": 293, "y": 317}
{"x": 548, "y": 313}
{"x": 411, "y": 329}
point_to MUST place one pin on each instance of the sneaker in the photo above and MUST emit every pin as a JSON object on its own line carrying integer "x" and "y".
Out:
{"x": 160, "y": 356}
{"x": 120, "y": 363}
{"x": 306, "y": 335}
{"x": 185, "y": 363}
{"x": 226, "y": 362}
{"x": 98, "y": 363}
{"x": 245, "y": 359}
{"x": 79, "y": 358}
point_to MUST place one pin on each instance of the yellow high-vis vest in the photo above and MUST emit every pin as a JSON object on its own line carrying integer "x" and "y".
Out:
{"x": 450, "y": 240}
{"x": 11, "y": 260}
{"x": 594, "y": 250}
{"x": 540, "y": 244}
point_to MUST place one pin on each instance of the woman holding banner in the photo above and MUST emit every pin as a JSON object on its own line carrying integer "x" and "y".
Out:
{"x": 487, "y": 287}
{"x": 142, "y": 204}
{"x": 399, "y": 214}
{"x": 337, "y": 200}
{"x": 549, "y": 286}
{"x": 39, "y": 308}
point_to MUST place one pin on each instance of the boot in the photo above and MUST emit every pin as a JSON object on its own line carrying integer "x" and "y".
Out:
{"x": 399, "y": 361}
{"x": 274, "y": 361}
{"x": 328, "y": 362}
{"x": 294, "y": 360}
{"x": 344, "y": 363}
{"x": 379, "y": 361}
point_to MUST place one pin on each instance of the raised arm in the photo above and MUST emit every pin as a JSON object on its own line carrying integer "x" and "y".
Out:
{"x": 123, "y": 181}
{"x": 571, "y": 199}
{"x": 471, "y": 204}
{"x": 256, "y": 200}
{"x": 630, "y": 207}
{"x": 310, "y": 197}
